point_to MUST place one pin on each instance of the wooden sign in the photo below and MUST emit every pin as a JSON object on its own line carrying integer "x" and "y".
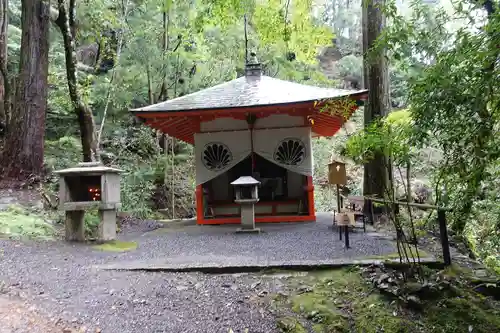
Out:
{"x": 345, "y": 219}
{"x": 337, "y": 173}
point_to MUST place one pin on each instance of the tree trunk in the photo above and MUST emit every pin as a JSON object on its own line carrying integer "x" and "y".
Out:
{"x": 4, "y": 78}
{"x": 377, "y": 179}
{"x": 66, "y": 23}
{"x": 23, "y": 153}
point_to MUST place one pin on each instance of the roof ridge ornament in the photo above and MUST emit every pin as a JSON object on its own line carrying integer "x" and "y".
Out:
{"x": 253, "y": 66}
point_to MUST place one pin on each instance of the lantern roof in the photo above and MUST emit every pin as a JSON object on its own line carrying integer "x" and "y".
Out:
{"x": 88, "y": 168}
{"x": 245, "y": 180}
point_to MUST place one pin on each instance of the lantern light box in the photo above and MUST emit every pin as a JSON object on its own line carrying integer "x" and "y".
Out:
{"x": 337, "y": 173}
{"x": 89, "y": 185}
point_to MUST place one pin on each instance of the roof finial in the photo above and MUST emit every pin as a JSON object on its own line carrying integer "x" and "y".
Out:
{"x": 253, "y": 59}
{"x": 253, "y": 66}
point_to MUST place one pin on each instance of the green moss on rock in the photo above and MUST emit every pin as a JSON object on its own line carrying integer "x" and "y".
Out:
{"x": 116, "y": 246}
{"x": 18, "y": 223}
{"x": 290, "y": 325}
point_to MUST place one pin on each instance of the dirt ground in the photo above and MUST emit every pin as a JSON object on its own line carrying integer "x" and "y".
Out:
{"x": 17, "y": 316}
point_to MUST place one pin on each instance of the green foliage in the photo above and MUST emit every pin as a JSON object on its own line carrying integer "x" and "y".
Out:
{"x": 455, "y": 104}
{"x": 205, "y": 47}
{"x": 91, "y": 222}
{"x": 389, "y": 136}
{"x": 18, "y": 223}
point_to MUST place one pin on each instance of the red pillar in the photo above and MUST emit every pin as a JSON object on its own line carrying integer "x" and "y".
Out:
{"x": 199, "y": 204}
{"x": 310, "y": 198}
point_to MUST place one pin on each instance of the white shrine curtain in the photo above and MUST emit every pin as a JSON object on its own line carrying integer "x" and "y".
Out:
{"x": 290, "y": 148}
{"x": 218, "y": 152}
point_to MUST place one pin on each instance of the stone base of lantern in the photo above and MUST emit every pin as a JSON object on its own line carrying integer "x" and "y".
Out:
{"x": 107, "y": 225}
{"x": 248, "y": 231}
{"x": 248, "y": 217}
{"x": 74, "y": 225}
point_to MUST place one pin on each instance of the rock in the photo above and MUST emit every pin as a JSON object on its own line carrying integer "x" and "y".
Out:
{"x": 288, "y": 324}
{"x": 262, "y": 293}
{"x": 414, "y": 301}
{"x": 255, "y": 284}
{"x": 312, "y": 314}
{"x": 383, "y": 278}
{"x": 481, "y": 273}
{"x": 67, "y": 330}
{"x": 304, "y": 289}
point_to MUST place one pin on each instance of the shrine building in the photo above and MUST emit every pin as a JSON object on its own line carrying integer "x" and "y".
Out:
{"x": 255, "y": 126}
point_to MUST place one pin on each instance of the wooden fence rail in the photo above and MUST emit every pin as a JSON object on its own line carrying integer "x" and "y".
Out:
{"x": 441, "y": 212}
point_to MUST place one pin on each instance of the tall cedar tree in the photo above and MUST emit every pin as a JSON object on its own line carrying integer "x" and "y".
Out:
{"x": 4, "y": 80}
{"x": 22, "y": 156}
{"x": 377, "y": 176}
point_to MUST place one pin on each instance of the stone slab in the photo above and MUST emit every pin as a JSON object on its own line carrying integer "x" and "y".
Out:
{"x": 239, "y": 264}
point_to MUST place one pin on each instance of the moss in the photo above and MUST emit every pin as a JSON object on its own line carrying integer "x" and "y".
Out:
{"x": 116, "y": 246}
{"x": 342, "y": 301}
{"x": 290, "y": 325}
{"x": 455, "y": 314}
{"x": 317, "y": 308}
{"x": 374, "y": 314}
{"x": 395, "y": 255}
{"x": 17, "y": 222}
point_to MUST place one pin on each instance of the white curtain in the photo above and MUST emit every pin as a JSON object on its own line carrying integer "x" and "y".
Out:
{"x": 290, "y": 148}
{"x": 218, "y": 152}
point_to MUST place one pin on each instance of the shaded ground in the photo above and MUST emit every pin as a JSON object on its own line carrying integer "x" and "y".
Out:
{"x": 184, "y": 244}
{"x": 16, "y": 316}
{"x": 62, "y": 283}
{"x": 64, "y": 286}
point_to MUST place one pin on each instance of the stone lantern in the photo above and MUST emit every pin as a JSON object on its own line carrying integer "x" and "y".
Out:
{"x": 89, "y": 185}
{"x": 247, "y": 195}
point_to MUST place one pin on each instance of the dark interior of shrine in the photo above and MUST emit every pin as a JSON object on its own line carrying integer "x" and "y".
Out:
{"x": 277, "y": 183}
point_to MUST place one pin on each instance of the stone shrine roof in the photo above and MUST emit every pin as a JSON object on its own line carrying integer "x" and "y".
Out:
{"x": 88, "y": 167}
{"x": 245, "y": 180}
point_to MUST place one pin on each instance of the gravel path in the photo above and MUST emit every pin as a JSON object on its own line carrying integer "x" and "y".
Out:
{"x": 61, "y": 282}
{"x": 279, "y": 243}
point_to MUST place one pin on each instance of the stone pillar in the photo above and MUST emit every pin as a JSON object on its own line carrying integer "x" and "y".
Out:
{"x": 107, "y": 225}
{"x": 74, "y": 225}
{"x": 248, "y": 218}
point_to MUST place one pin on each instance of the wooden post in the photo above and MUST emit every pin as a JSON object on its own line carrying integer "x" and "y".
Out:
{"x": 339, "y": 204}
{"x": 444, "y": 237}
{"x": 347, "y": 236}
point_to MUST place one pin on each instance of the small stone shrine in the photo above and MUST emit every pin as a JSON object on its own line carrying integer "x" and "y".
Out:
{"x": 89, "y": 185}
{"x": 247, "y": 195}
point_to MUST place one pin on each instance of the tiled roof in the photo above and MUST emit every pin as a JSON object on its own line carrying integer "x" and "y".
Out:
{"x": 258, "y": 90}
